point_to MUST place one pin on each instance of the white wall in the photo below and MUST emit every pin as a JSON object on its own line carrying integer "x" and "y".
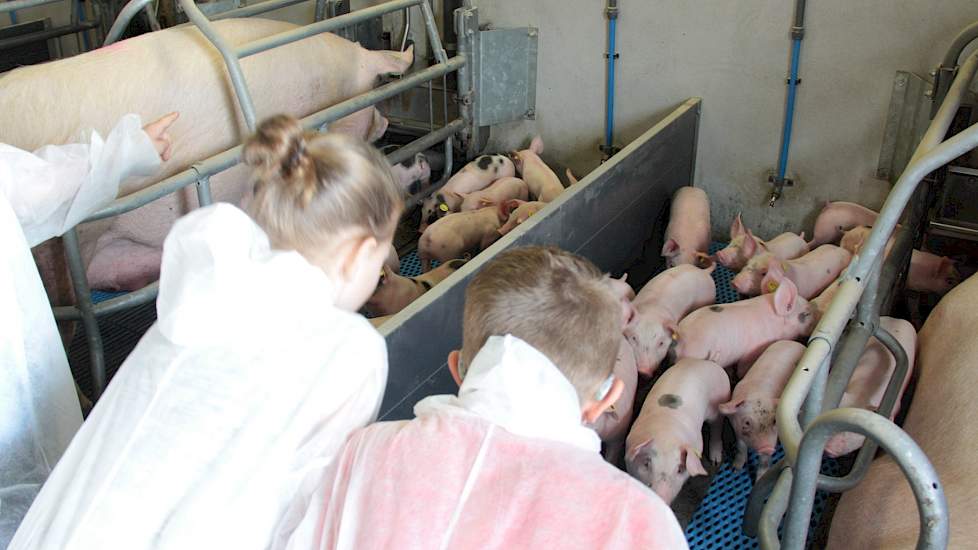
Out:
{"x": 735, "y": 56}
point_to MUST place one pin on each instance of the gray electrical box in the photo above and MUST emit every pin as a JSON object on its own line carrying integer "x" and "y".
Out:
{"x": 506, "y": 75}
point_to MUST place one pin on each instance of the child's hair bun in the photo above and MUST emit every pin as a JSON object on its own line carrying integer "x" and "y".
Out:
{"x": 278, "y": 147}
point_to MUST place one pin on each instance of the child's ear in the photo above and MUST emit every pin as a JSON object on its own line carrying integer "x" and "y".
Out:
{"x": 592, "y": 410}
{"x": 453, "y": 366}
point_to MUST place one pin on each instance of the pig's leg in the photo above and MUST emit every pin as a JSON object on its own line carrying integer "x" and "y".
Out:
{"x": 716, "y": 440}
{"x": 763, "y": 464}
{"x": 741, "y": 458}
{"x": 122, "y": 264}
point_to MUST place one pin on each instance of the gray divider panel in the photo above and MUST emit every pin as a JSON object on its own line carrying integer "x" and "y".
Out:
{"x": 608, "y": 217}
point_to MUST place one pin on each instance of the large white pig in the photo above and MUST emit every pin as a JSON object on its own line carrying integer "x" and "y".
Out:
{"x": 881, "y": 512}
{"x": 177, "y": 69}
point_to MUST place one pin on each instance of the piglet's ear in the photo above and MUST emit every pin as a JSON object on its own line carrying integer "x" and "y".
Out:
{"x": 670, "y": 248}
{"x": 750, "y": 245}
{"x": 693, "y": 464}
{"x": 784, "y": 297}
{"x": 537, "y": 145}
{"x": 636, "y": 450}
{"x": 730, "y": 407}
{"x": 736, "y": 228}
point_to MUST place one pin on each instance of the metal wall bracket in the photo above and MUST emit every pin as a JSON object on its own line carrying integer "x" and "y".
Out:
{"x": 906, "y": 121}
{"x": 506, "y": 75}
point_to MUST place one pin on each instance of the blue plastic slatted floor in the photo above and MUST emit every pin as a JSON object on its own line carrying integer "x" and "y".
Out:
{"x": 717, "y": 522}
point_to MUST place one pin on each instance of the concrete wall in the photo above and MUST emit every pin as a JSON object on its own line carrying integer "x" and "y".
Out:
{"x": 735, "y": 56}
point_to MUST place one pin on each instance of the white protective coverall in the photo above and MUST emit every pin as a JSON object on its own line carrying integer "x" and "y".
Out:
{"x": 506, "y": 464}
{"x": 42, "y": 195}
{"x": 249, "y": 383}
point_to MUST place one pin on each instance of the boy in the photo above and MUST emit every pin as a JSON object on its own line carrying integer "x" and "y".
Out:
{"x": 508, "y": 463}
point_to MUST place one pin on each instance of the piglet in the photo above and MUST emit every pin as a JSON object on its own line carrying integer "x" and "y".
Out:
{"x": 517, "y": 212}
{"x": 665, "y": 445}
{"x": 501, "y": 190}
{"x": 729, "y": 333}
{"x": 820, "y": 304}
{"x": 544, "y": 184}
{"x": 394, "y": 292}
{"x": 870, "y": 378}
{"x": 659, "y": 307}
{"x": 838, "y": 217}
{"x": 474, "y": 176}
{"x": 744, "y": 245}
{"x": 786, "y": 246}
{"x": 393, "y": 261}
{"x": 612, "y": 426}
{"x": 755, "y": 399}
{"x": 688, "y": 232}
{"x": 412, "y": 174}
{"x": 812, "y": 273}
{"x": 928, "y": 272}
{"x": 625, "y": 295}
{"x": 458, "y": 234}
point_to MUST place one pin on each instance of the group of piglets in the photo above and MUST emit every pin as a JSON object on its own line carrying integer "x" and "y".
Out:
{"x": 731, "y": 360}
{"x": 479, "y": 204}
{"x": 486, "y": 199}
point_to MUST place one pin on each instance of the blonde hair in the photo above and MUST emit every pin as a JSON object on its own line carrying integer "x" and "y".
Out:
{"x": 310, "y": 186}
{"x": 557, "y": 302}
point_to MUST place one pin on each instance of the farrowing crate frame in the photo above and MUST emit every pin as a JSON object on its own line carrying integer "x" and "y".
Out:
{"x": 466, "y": 127}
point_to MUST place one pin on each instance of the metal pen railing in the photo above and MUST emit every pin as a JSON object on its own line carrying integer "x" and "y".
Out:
{"x": 806, "y": 414}
{"x": 199, "y": 173}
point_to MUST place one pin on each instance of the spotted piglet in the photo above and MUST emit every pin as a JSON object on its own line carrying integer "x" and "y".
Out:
{"x": 413, "y": 174}
{"x": 475, "y": 176}
{"x": 665, "y": 445}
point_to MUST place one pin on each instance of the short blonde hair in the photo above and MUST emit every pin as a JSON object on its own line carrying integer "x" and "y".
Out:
{"x": 310, "y": 186}
{"x": 557, "y": 302}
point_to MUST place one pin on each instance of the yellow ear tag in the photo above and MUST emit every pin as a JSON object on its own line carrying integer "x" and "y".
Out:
{"x": 772, "y": 286}
{"x": 697, "y": 454}
{"x": 531, "y": 213}
{"x": 443, "y": 207}
{"x": 675, "y": 336}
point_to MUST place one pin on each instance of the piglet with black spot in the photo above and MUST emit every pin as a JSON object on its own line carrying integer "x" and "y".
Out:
{"x": 475, "y": 176}
{"x": 413, "y": 174}
{"x": 665, "y": 445}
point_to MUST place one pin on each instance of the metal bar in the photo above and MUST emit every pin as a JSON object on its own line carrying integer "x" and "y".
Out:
{"x": 407, "y": 29}
{"x": 466, "y": 26}
{"x": 230, "y": 157}
{"x": 767, "y": 531}
{"x": 256, "y": 9}
{"x": 830, "y": 327}
{"x": 758, "y": 494}
{"x": 938, "y": 127}
{"x": 119, "y": 303}
{"x": 123, "y": 19}
{"x": 433, "y": 36}
{"x": 960, "y": 42}
{"x": 230, "y": 60}
{"x": 328, "y": 25}
{"x": 204, "y": 192}
{"x": 426, "y": 142}
{"x": 23, "y": 4}
{"x": 320, "y": 12}
{"x": 46, "y": 34}
{"x": 923, "y": 479}
{"x": 93, "y": 335}
{"x": 813, "y": 401}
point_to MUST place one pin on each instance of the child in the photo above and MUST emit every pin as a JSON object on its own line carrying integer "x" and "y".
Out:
{"x": 42, "y": 195}
{"x": 256, "y": 370}
{"x": 508, "y": 463}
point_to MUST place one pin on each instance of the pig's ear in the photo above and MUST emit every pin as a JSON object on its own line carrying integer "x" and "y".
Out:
{"x": 670, "y": 248}
{"x": 637, "y": 450}
{"x": 784, "y": 298}
{"x": 537, "y": 145}
{"x": 571, "y": 178}
{"x": 391, "y": 62}
{"x": 730, "y": 407}
{"x": 737, "y": 228}
{"x": 947, "y": 268}
{"x": 750, "y": 245}
{"x": 692, "y": 462}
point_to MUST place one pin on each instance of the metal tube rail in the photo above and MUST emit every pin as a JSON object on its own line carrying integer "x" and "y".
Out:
{"x": 763, "y": 486}
{"x": 426, "y": 142}
{"x": 257, "y": 8}
{"x": 40, "y": 36}
{"x": 123, "y": 19}
{"x": 931, "y": 503}
{"x": 960, "y": 42}
{"x": 945, "y": 114}
{"x": 76, "y": 268}
{"x": 23, "y": 4}
{"x": 233, "y": 63}
{"x": 328, "y": 25}
{"x": 830, "y": 327}
{"x": 767, "y": 531}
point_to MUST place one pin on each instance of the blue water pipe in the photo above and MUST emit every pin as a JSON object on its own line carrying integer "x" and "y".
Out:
{"x": 13, "y": 17}
{"x": 609, "y": 148}
{"x": 797, "y": 34}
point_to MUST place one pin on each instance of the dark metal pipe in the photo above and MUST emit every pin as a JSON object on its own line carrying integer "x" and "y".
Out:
{"x": 960, "y": 42}
{"x": 256, "y": 9}
{"x": 46, "y": 34}
{"x": 758, "y": 495}
{"x": 76, "y": 267}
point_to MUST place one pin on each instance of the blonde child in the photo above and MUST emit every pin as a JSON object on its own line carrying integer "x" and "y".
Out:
{"x": 256, "y": 370}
